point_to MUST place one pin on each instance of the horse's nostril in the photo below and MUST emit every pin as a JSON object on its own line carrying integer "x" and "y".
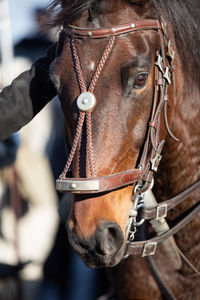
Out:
{"x": 109, "y": 238}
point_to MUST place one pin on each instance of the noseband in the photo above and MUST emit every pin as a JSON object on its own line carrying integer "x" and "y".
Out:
{"x": 86, "y": 103}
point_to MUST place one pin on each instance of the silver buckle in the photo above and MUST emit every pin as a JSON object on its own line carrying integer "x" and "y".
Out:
{"x": 161, "y": 211}
{"x": 75, "y": 186}
{"x": 155, "y": 162}
{"x": 149, "y": 249}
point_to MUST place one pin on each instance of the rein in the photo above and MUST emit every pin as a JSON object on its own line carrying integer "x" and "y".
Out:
{"x": 151, "y": 155}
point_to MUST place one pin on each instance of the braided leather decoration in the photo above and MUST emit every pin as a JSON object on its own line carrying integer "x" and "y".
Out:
{"x": 77, "y": 66}
{"x": 75, "y": 144}
{"x": 101, "y": 63}
{"x": 89, "y": 145}
{"x": 82, "y": 86}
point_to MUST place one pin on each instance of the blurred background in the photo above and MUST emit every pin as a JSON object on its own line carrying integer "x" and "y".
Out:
{"x": 36, "y": 261}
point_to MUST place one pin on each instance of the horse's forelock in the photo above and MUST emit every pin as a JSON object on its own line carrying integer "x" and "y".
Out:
{"x": 138, "y": 2}
{"x": 65, "y": 11}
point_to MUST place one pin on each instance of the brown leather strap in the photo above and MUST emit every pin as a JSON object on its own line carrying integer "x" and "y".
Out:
{"x": 106, "y": 32}
{"x": 148, "y": 247}
{"x": 161, "y": 209}
{"x": 99, "y": 184}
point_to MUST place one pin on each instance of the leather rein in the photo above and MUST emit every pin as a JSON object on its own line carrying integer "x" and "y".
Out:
{"x": 151, "y": 154}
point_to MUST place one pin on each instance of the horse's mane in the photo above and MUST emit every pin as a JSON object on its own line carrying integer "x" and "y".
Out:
{"x": 183, "y": 15}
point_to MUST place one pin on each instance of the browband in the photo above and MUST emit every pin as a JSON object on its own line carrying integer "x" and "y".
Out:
{"x": 112, "y": 31}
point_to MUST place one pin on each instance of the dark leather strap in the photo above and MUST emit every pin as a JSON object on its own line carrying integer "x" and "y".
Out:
{"x": 161, "y": 209}
{"x": 148, "y": 247}
{"x": 106, "y": 32}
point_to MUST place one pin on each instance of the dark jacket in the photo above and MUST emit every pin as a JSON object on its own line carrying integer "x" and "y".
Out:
{"x": 26, "y": 95}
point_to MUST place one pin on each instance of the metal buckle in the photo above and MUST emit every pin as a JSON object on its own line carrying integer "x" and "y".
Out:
{"x": 166, "y": 75}
{"x": 159, "y": 62}
{"x": 163, "y": 26}
{"x": 170, "y": 52}
{"x": 77, "y": 185}
{"x": 138, "y": 203}
{"x": 155, "y": 162}
{"x": 161, "y": 211}
{"x": 149, "y": 249}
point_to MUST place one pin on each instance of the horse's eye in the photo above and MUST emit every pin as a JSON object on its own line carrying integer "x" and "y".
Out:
{"x": 140, "y": 80}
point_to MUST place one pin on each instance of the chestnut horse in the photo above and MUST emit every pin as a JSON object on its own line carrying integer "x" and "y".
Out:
{"x": 127, "y": 73}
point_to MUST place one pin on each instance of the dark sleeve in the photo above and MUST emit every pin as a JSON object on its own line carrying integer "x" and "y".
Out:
{"x": 26, "y": 95}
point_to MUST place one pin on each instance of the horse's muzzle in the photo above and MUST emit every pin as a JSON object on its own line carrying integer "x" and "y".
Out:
{"x": 103, "y": 248}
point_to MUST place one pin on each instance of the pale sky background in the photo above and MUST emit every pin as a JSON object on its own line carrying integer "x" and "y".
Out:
{"x": 21, "y": 13}
{"x": 22, "y": 25}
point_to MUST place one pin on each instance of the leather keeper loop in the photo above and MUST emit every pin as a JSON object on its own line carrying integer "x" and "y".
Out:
{"x": 166, "y": 98}
{"x": 148, "y": 177}
{"x": 153, "y": 124}
{"x": 159, "y": 81}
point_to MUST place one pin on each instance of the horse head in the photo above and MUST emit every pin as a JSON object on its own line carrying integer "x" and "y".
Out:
{"x": 107, "y": 126}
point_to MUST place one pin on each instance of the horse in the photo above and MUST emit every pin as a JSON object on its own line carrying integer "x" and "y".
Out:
{"x": 127, "y": 73}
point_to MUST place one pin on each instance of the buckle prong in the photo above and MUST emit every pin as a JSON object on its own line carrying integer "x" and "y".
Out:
{"x": 155, "y": 162}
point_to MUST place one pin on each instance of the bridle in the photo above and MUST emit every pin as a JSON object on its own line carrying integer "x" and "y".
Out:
{"x": 151, "y": 154}
{"x": 86, "y": 103}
